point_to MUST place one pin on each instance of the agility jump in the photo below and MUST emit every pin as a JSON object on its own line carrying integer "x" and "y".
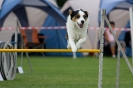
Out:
{"x": 48, "y": 50}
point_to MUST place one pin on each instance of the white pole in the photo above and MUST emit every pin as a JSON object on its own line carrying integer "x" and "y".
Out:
{"x": 131, "y": 28}
{"x": 103, "y": 13}
{"x": 16, "y": 36}
{"x": 118, "y": 69}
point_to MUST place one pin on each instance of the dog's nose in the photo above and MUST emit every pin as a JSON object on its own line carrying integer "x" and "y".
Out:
{"x": 82, "y": 21}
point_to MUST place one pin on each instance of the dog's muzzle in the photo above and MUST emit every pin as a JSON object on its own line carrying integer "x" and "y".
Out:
{"x": 80, "y": 25}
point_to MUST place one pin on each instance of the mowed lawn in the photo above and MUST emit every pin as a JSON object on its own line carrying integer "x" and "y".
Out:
{"x": 66, "y": 72}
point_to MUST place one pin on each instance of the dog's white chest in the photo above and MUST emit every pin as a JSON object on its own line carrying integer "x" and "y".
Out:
{"x": 77, "y": 37}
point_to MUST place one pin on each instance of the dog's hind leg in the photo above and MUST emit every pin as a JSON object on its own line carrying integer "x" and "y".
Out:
{"x": 74, "y": 55}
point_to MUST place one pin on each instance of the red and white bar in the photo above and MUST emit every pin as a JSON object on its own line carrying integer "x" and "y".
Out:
{"x": 57, "y": 27}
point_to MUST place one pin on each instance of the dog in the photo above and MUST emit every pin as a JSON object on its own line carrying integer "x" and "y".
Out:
{"x": 77, "y": 26}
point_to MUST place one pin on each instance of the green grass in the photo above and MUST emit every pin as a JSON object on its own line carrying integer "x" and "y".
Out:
{"x": 65, "y": 72}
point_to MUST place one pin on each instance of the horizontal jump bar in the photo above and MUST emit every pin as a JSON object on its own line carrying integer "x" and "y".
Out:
{"x": 48, "y": 50}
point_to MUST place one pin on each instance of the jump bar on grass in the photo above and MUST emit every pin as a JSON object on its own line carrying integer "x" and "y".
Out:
{"x": 48, "y": 50}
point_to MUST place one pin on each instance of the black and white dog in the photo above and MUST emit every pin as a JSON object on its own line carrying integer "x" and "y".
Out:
{"x": 77, "y": 26}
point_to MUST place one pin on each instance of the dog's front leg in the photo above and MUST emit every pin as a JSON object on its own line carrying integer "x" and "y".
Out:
{"x": 72, "y": 44}
{"x": 80, "y": 43}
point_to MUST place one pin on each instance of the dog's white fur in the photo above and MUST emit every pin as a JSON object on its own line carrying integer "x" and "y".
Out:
{"x": 76, "y": 34}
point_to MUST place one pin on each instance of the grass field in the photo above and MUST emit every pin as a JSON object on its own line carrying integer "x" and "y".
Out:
{"x": 65, "y": 72}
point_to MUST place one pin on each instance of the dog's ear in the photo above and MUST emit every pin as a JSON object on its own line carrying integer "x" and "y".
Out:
{"x": 86, "y": 13}
{"x": 70, "y": 11}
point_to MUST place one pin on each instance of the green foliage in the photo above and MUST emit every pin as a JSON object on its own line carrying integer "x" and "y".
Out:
{"x": 66, "y": 72}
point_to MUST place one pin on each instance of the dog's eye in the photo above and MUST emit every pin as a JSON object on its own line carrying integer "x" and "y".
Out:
{"x": 77, "y": 16}
{"x": 84, "y": 16}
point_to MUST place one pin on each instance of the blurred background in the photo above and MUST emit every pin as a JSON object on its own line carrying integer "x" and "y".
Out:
{"x": 52, "y": 13}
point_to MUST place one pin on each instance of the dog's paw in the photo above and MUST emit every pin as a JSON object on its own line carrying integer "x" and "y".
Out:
{"x": 74, "y": 49}
{"x": 68, "y": 46}
{"x": 78, "y": 46}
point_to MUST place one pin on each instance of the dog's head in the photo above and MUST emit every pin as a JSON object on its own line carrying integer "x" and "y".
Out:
{"x": 79, "y": 17}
